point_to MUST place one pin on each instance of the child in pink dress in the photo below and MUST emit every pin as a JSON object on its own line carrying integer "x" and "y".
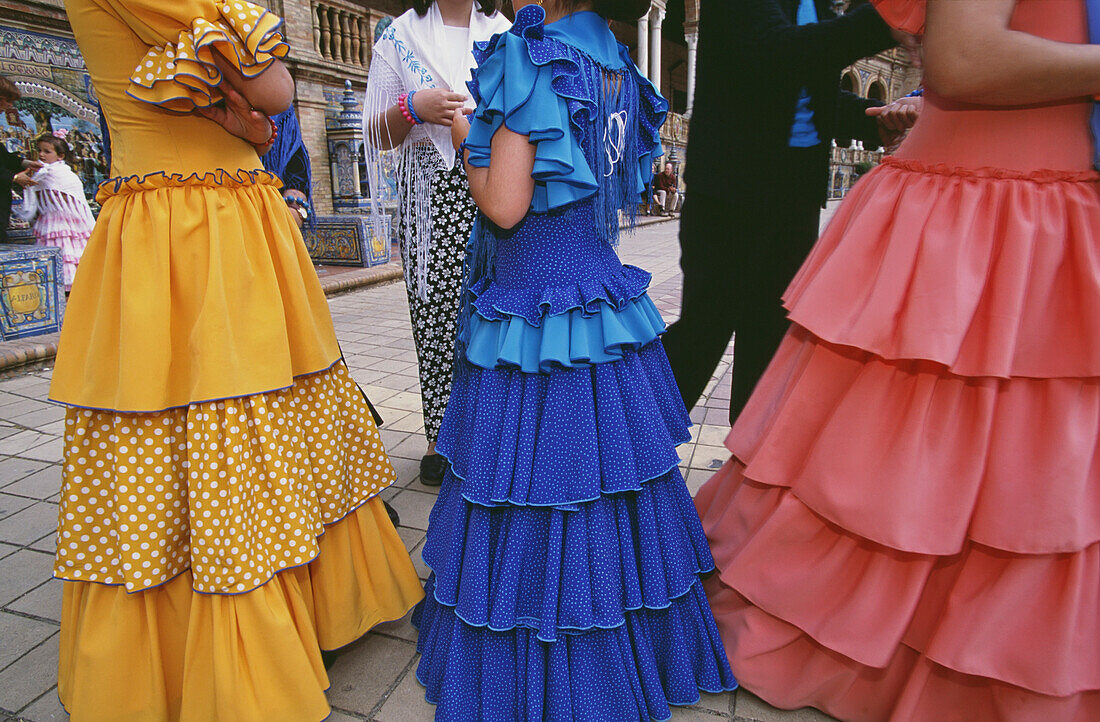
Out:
{"x": 56, "y": 196}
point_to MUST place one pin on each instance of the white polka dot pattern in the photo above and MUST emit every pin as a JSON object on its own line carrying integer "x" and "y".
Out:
{"x": 235, "y": 490}
{"x": 184, "y": 75}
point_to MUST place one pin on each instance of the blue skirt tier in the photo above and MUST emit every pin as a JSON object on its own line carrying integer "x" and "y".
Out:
{"x": 565, "y": 549}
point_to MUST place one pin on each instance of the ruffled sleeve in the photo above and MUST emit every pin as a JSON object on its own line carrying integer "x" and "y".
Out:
{"x": 178, "y": 73}
{"x": 905, "y": 15}
{"x": 512, "y": 90}
{"x": 538, "y": 86}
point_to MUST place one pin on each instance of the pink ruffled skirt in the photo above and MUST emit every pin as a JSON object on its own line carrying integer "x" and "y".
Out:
{"x": 70, "y": 234}
{"x": 909, "y": 527}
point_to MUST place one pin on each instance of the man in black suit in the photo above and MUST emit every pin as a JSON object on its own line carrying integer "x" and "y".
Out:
{"x": 757, "y": 178}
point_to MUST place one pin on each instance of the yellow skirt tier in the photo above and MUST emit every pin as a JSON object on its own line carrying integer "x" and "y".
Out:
{"x": 211, "y": 551}
{"x": 191, "y": 289}
{"x": 170, "y": 653}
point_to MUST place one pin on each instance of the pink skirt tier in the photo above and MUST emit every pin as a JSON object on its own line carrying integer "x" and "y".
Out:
{"x": 909, "y": 528}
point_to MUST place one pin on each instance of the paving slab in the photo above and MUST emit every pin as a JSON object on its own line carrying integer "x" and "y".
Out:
{"x": 46, "y": 708}
{"x": 407, "y": 703}
{"x": 21, "y": 572}
{"x": 11, "y": 504}
{"x": 21, "y": 635}
{"x": 40, "y": 485}
{"x": 752, "y": 708}
{"x": 13, "y": 469}
{"x": 43, "y": 602}
{"x": 29, "y": 525}
{"x": 366, "y": 672}
{"x": 34, "y": 674}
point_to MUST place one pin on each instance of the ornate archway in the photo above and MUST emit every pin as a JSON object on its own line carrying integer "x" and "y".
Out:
{"x": 850, "y": 82}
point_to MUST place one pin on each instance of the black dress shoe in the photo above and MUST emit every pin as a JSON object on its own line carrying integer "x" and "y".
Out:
{"x": 392, "y": 513}
{"x": 329, "y": 657}
{"x": 433, "y": 467}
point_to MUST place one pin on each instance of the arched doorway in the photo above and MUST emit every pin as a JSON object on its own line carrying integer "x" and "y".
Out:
{"x": 850, "y": 83}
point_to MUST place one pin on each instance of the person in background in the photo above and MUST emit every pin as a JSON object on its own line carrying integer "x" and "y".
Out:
{"x": 11, "y": 164}
{"x": 666, "y": 191}
{"x": 54, "y": 200}
{"x": 418, "y": 75}
{"x": 757, "y": 171}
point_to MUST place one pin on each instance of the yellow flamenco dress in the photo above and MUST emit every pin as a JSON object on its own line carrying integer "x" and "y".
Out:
{"x": 219, "y": 520}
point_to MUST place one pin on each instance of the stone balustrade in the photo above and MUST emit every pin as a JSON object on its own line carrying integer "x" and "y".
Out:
{"x": 341, "y": 33}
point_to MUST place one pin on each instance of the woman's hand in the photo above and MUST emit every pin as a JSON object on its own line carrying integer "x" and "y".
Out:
{"x": 239, "y": 118}
{"x": 24, "y": 179}
{"x": 895, "y": 119}
{"x": 460, "y": 127}
{"x": 437, "y": 105}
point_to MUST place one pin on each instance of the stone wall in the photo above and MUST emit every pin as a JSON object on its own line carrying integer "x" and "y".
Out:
{"x": 320, "y": 74}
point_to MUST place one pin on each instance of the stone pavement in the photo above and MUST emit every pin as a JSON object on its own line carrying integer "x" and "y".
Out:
{"x": 374, "y": 678}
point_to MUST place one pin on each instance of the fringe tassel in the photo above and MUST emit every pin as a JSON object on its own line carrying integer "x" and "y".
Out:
{"x": 480, "y": 264}
{"x": 614, "y": 149}
{"x": 408, "y": 169}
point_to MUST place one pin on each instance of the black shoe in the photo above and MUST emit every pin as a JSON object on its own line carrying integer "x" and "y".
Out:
{"x": 394, "y": 518}
{"x": 329, "y": 657}
{"x": 433, "y": 467}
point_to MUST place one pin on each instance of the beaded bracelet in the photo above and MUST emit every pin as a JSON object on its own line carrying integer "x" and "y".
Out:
{"x": 404, "y": 102}
{"x": 412, "y": 111}
{"x": 274, "y": 134}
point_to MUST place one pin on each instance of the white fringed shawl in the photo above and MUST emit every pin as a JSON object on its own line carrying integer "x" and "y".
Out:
{"x": 57, "y": 189}
{"x": 411, "y": 55}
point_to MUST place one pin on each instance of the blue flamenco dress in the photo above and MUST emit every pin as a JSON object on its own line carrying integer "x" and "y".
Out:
{"x": 565, "y": 549}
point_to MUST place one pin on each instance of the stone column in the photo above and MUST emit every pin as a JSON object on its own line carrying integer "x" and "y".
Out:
{"x": 693, "y": 42}
{"x": 643, "y": 45}
{"x": 657, "y": 17}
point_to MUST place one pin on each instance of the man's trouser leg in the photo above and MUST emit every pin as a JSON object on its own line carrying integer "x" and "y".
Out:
{"x": 695, "y": 343}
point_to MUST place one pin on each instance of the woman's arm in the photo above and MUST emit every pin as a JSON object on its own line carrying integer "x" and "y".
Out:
{"x": 431, "y": 105}
{"x": 389, "y": 129}
{"x": 970, "y": 54}
{"x": 503, "y": 191}
{"x": 271, "y": 92}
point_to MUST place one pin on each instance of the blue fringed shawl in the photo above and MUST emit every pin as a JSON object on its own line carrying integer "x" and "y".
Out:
{"x": 287, "y": 143}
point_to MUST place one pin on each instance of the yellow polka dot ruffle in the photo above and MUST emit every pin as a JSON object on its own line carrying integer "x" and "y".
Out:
{"x": 182, "y": 76}
{"x": 236, "y": 490}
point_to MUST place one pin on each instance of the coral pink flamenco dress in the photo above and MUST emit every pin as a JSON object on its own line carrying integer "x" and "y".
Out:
{"x": 908, "y": 527}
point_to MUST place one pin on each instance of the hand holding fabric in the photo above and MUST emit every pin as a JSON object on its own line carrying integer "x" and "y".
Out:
{"x": 437, "y": 105}
{"x": 238, "y": 117}
{"x": 24, "y": 179}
